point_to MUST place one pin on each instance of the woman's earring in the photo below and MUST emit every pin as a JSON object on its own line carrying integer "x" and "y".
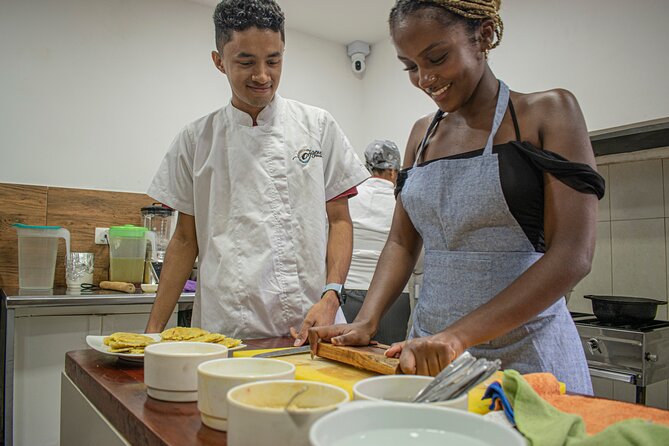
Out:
{"x": 486, "y": 52}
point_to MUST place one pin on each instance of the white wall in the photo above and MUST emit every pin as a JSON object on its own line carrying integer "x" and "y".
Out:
{"x": 610, "y": 53}
{"x": 318, "y": 72}
{"x": 93, "y": 91}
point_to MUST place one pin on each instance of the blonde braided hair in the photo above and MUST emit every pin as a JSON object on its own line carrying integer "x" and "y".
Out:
{"x": 473, "y": 9}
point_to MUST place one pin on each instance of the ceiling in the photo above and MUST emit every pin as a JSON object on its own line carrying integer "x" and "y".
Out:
{"x": 340, "y": 21}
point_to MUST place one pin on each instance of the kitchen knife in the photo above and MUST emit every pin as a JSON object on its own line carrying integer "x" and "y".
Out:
{"x": 284, "y": 352}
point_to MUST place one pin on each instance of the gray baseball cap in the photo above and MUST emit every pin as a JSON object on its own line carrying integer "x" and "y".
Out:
{"x": 382, "y": 154}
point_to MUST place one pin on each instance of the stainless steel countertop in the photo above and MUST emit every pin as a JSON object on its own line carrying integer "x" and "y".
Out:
{"x": 62, "y": 297}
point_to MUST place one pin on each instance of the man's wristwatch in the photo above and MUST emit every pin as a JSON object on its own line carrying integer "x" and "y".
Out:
{"x": 337, "y": 288}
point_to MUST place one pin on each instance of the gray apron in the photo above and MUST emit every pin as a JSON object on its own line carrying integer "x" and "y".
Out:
{"x": 475, "y": 248}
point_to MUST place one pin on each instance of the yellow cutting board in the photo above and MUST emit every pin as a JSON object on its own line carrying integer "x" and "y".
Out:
{"x": 345, "y": 376}
{"x": 318, "y": 369}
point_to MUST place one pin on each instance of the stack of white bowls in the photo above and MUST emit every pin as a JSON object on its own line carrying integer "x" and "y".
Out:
{"x": 216, "y": 378}
{"x": 400, "y": 389}
{"x": 367, "y": 423}
{"x": 170, "y": 368}
{"x": 239, "y": 394}
{"x": 259, "y": 403}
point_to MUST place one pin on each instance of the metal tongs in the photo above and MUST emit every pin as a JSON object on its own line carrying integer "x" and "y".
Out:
{"x": 464, "y": 373}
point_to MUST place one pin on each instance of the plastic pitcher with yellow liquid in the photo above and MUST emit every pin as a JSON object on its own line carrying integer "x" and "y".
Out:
{"x": 127, "y": 253}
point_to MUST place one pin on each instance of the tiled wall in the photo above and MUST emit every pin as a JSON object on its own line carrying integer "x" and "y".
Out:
{"x": 632, "y": 250}
{"x": 631, "y": 254}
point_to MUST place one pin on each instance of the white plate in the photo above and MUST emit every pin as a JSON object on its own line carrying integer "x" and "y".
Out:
{"x": 97, "y": 343}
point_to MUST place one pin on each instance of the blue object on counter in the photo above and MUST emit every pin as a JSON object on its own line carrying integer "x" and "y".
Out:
{"x": 190, "y": 286}
{"x": 496, "y": 392}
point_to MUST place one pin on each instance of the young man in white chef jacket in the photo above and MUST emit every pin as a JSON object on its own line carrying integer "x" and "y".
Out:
{"x": 261, "y": 187}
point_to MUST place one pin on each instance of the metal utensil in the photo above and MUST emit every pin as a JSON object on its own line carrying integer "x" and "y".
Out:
{"x": 294, "y": 397}
{"x": 463, "y": 381}
{"x": 464, "y": 360}
{"x": 284, "y": 352}
{"x": 451, "y": 383}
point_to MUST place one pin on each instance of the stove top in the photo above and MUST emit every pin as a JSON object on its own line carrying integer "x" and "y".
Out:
{"x": 639, "y": 326}
{"x": 631, "y": 353}
{"x": 589, "y": 319}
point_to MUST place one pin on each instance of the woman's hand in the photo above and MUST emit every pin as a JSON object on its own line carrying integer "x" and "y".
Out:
{"x": 428, "y": 355}
{"x": 355, "y": 333}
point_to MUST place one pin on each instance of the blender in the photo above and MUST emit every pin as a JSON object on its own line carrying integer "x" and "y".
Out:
{"x": 159, "y": 219}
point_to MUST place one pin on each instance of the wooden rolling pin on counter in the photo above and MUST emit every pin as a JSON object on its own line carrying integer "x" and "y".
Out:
{"x": 124, "y": 287}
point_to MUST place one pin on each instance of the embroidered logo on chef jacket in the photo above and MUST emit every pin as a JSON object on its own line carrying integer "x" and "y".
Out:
{"x": 305, "y": 155}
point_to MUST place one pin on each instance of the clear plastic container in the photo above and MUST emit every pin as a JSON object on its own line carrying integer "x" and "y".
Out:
{"x": 161, "y": 220}
{"x": 38, "y": 247}
{"x": 127, "y": 253}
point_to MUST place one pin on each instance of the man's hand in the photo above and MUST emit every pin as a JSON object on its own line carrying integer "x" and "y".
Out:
{"x": 356, "y": 333}
{"x": 322, "y": 313}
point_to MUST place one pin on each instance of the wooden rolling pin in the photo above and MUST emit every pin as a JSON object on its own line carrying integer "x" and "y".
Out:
{"x": 118, "y": 286}
{"x": 370, "y": 358}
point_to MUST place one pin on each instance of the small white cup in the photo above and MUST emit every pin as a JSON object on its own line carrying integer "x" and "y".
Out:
{"x": 400, "y": 389}
{"x": 258, "y": 415}
{"x": 216, "y": 378}
{"x": 170, "y": 368}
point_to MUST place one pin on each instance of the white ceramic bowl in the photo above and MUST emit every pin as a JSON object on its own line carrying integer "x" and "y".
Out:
{"x": 258, "y": 415}
{"x": 400, "y": 388}
{"x": 216, "y": 378}
{"x": 170, "y": 368}
{"x": 366, "y": 423}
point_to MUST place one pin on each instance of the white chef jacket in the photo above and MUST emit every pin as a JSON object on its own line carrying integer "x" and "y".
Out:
{"x": 258, "y": 195}
{"x": 372, "y": 214}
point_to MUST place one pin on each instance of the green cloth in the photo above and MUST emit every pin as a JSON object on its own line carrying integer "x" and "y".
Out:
{"x": 544, "y": 425}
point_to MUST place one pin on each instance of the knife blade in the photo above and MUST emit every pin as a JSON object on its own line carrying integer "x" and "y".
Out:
{"x": 284, "y": 352}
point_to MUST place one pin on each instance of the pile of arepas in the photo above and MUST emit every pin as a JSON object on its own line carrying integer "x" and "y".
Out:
{"x": 122, "y": 342}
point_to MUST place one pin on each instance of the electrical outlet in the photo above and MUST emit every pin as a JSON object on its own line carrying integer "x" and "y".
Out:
{"x": 101, "y": 236}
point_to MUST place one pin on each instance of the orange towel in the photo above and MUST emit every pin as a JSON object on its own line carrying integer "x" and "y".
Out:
{"x": 597, "y": 413}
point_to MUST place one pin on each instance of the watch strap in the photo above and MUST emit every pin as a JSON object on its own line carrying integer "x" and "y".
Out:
{"x": 338, "y": 288}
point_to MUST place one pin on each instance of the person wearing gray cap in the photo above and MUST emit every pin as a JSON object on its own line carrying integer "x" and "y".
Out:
{"x": 382, "y": 159}
{"x": 371, "y": 213}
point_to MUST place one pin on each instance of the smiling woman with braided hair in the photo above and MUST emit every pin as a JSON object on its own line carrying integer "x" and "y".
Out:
{"x": 500, "y": 187}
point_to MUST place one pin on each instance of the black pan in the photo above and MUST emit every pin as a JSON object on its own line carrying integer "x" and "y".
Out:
{"x": 624, "y": 309}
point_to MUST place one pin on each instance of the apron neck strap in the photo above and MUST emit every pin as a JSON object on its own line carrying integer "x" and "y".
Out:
{"x": 500, "y": 110}
{"x": 430, "y": 130}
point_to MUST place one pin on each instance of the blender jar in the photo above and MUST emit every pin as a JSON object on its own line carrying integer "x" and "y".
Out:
{"x": 159, "y": 219}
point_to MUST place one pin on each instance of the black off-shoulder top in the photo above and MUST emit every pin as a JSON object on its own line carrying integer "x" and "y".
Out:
{"x": 521, "y": 167}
